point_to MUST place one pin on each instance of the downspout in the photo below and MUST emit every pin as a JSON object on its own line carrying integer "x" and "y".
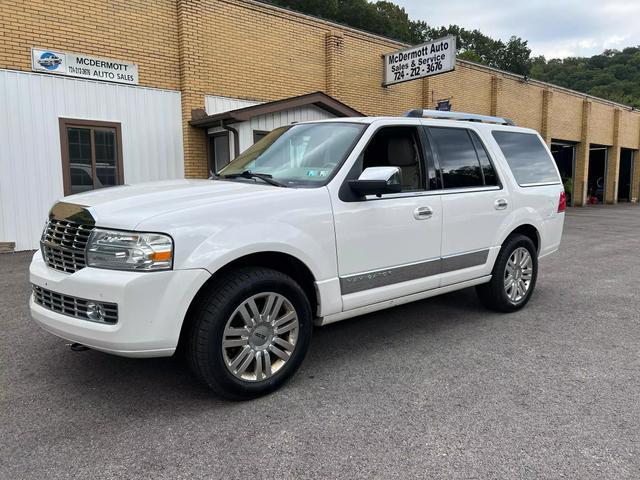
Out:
{"x": 236, "y": 140}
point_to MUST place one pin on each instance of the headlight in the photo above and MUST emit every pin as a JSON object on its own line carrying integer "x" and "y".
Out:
{"x": 129, "y": 250}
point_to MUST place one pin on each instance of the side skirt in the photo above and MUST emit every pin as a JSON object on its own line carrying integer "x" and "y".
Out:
{"x": 336, "y": 317}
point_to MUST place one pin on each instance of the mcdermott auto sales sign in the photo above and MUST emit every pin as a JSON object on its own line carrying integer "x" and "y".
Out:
{"x": 83, "y": 66}
{"x": 431, "y": 58}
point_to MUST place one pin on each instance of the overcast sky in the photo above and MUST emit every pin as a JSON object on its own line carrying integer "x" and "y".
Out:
{"x": 554, "y": 29}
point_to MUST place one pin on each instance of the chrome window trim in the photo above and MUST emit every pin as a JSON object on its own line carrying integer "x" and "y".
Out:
{"x": 540, "y": 184}
{"x": 427, "y": 193}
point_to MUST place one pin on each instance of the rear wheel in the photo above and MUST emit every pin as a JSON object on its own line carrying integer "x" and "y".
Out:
{"x": 513, "y": 277}
{"x": 251, "y": 333}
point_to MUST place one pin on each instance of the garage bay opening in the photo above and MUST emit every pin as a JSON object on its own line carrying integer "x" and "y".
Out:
{"x": 596, "y": 181}
{"x": 564, "y": 153}
{"x": 627, "y": 160}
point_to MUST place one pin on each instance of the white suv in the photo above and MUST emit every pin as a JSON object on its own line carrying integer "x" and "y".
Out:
{"x": 315, "y": 223}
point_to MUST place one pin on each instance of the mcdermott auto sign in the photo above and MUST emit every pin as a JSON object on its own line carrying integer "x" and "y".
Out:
{"x": 431, "y": 58}
{"x": 83, "y": 66}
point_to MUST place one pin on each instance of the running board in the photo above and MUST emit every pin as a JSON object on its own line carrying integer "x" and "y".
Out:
{"x": 337, "y": 317}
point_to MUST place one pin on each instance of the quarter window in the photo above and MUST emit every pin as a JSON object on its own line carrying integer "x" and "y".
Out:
{"x": 463, "y": 160}
{"x": 527, "y": 157}
{"x": 91, "y": 155}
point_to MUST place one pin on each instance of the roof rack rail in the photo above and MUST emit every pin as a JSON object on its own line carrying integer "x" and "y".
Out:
{"x": 462, "y": 116}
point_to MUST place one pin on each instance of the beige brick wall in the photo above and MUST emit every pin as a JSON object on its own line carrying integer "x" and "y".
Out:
{"x": 468, "y": 88}
{"x": 522, "y": 102}
{"x": 244, "y": 49}
{"x": 565, "y": 116}
{"x": 629, "y": 128}
{"x": 601, "y": 126}
{"x": 139, "y": 31}
{"x": 362, "y": 79}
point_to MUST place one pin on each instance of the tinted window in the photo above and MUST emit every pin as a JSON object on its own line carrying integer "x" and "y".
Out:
{"x": 528, "y": 159}
{"x": 489, "y": 174}
{"x": 457, "y": 156}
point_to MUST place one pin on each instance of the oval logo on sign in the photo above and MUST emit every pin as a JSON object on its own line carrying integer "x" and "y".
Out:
{"x": 49, "y": 60}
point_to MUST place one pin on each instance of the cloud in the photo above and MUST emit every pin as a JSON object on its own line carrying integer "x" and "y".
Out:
{"x": 554, "y": 28}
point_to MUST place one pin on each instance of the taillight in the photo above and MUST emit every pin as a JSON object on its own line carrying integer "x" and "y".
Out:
{"x": 562, "y": 203}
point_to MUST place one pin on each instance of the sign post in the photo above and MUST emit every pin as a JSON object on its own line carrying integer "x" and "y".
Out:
{"x": 431, "y": 58}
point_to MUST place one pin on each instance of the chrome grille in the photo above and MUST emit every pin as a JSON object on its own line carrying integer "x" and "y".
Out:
{"x": 64, "y": 243}
{"x": 73, "y": 306}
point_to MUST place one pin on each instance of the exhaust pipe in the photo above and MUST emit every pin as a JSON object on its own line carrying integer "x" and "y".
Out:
{"x": 78, "y": 347}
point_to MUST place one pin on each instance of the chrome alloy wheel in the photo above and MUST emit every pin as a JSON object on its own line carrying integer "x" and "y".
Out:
{"x": 260, "y": 336}
{"x": 518, "y": 274}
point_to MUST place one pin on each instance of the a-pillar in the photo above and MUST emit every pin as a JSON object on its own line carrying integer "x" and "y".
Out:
{"x": 582, "y": 158}
{"x": 613, "y": 161}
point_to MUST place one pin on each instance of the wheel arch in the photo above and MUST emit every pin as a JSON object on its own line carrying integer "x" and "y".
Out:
{"x": 279, "y": 261}
{"x": 528, "y": 230}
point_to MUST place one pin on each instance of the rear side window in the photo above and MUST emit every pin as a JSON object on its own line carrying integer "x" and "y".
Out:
{"x": 528, "y": 159}
{"x": 462, "y": 158}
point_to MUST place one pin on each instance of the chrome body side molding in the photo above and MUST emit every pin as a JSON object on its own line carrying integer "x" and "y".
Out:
{"x": 388, "y": 276}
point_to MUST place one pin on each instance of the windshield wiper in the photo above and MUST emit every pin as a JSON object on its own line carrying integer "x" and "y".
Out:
{"x": 265, "y": 177}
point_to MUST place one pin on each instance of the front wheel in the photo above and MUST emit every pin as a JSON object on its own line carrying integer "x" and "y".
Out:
{"x": 513, "y": 277}
{"x": 251, "y": 333}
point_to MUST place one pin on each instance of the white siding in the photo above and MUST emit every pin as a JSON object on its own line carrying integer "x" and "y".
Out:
{"x": 30, "y": 155}
{"x": 274, "y": 120}
{"x": 214, "y": 104}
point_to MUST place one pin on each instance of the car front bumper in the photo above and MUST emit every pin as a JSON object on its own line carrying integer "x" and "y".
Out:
{"x": 151, "y": 307}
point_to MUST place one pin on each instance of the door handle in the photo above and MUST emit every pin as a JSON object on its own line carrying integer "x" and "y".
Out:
{"x": 501, "y": 204}
{"x": 422, "y": 213}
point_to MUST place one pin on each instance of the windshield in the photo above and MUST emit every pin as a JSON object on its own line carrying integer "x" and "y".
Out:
{"x": 298, "y": 155}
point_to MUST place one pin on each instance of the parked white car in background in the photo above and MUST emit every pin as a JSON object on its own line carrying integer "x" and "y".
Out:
{"x": 317, "y": 222}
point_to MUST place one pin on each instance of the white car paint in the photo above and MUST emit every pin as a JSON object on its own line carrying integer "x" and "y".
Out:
{"x": 214, "y": 222}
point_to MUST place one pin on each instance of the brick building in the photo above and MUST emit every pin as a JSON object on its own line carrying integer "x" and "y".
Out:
{"x": 214, "y": 75}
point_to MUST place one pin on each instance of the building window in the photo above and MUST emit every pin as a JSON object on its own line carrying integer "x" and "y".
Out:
{"x": 219, "y": 153}
{"x": 91, "y": 155}
{"x": 259, "y": 135}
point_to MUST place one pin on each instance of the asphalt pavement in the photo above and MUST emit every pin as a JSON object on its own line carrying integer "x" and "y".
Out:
{"x": 441, "y": 388}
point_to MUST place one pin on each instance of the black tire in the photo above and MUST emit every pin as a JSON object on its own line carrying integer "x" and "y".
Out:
{"x": 204, "y": 349}
{"x": 493, "y": 294}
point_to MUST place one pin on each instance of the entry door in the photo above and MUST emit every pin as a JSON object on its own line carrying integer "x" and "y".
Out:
{"x": 474, "y": 205}
{"x": 389, "y": 247}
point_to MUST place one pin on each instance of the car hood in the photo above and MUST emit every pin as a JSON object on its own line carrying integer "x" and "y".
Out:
{"x": 126, "y": 206}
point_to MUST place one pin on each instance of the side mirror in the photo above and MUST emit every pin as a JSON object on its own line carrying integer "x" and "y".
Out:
{"x": 377, "y": 181}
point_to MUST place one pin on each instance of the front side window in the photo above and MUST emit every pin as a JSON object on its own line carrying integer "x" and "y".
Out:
{"x": 527, "y": 157}
{"x": 458, "y": 158}
{"x": 298, "y": 155}
{"x": 91, "y": 155}
{"x": 397, "y": 146}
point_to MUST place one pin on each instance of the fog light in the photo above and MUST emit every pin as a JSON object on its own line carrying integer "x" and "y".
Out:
{"x": 95, "y": 312}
